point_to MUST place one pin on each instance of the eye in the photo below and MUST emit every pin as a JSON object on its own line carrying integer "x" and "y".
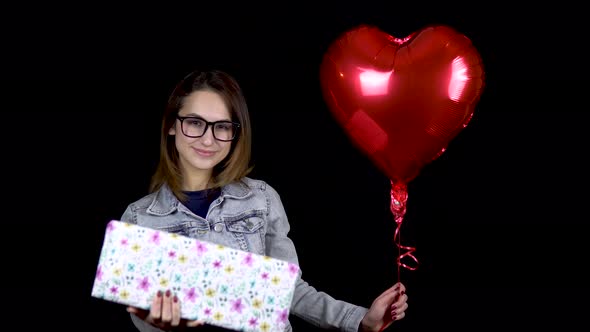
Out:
{"x": 195, "y": 122}
{"x": 223, "y": 126}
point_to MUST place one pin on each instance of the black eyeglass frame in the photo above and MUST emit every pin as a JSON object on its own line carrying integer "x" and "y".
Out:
{"x": 207, "y": 125}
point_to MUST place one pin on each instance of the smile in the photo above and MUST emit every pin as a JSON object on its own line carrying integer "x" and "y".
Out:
{"x": 204, "y": 153}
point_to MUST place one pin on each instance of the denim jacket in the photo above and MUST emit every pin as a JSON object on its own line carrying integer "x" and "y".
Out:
{"x": 249, "y": 216}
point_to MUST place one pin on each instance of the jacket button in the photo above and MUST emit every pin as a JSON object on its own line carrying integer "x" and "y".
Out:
{"x": 218, "y": 227}
{"x": 249, "y": 223}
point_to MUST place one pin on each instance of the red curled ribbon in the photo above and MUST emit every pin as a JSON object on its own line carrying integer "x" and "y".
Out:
{"x": 399, "y": 198}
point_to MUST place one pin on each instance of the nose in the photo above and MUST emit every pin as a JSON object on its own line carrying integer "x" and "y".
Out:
{"x": 207, "y": 137}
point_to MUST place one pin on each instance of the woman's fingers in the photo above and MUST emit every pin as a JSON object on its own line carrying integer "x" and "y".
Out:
{"x": 167, "y": 308}
{"x": 399, "y": 316}
{"x": 164, "y": 312}
{"x": 399, "y": 307}
{"x": 175, "y": 311}
{"x": 138, "y": 312}
{"x": 402, "y": 288}
{"x": 156, "y": 309}
{"x": 401, "y": 300}
{"x": 393, "y": 291}
{"x": 194, "y": 323}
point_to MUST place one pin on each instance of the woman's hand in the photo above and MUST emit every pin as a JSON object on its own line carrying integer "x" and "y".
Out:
{"x": 164, "y": 312}
{"x": 388, "y": 307}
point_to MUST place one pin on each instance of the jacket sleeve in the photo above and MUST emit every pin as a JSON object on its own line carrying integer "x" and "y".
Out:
{"x": 144, "y": 326}
{"x": 128, "y": 215}
{"x": 311, "y": 305}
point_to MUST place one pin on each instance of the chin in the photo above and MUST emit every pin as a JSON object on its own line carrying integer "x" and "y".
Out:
{"x": 205, "y": 166}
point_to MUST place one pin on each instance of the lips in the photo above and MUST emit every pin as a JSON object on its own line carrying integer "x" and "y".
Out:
{"x": 204, "y": 153}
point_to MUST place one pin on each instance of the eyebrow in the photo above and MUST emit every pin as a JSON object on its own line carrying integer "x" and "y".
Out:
{"x": 195, "y": 115}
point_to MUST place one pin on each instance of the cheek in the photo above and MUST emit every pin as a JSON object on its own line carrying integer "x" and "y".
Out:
{"x": 177, "y": 142}
{"x": 226, "y": 150}
{"x": 181, "y": 143}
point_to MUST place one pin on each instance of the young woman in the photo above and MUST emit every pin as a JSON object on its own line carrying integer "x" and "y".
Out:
{"x": 201, "y": 189}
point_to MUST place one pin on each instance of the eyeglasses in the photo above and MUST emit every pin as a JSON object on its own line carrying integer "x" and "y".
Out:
{"x": 194, "y": 127}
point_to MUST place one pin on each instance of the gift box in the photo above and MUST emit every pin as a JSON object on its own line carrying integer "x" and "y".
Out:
{"x": 222, "y": 286}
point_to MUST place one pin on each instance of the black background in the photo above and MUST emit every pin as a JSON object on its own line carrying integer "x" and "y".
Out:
{"x": 498, "y": 221}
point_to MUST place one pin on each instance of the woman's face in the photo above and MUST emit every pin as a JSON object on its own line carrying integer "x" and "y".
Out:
{"x": 198, "y": 156}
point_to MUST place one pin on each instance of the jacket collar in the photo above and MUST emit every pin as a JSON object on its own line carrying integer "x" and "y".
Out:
{"x": 236, "y": 189}
{"x": 164, "y": 202}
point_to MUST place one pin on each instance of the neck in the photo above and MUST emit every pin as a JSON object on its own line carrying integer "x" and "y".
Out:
{"x": 195, "y": 182}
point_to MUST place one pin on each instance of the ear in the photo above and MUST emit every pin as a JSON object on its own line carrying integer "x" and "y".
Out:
{"x": 172, "y": 130}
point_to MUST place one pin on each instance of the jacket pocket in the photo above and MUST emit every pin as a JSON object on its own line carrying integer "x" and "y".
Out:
{"x": 248, "y": 229}
{"x": 247, "y": 222}
{"x": 177, "y": 229}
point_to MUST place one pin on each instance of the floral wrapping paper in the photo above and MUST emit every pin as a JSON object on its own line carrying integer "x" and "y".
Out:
{"x": 222, "y": 286}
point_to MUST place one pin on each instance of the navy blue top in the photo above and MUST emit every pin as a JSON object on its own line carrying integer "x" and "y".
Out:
{"x": 198, "y": 201}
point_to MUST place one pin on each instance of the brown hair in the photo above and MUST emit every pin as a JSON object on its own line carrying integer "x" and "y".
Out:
{"x": 237, "y": 164}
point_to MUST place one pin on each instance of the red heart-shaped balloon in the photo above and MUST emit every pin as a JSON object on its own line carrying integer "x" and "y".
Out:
{"x": 401, "y": 101}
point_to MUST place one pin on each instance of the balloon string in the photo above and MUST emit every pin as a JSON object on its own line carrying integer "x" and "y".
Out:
{"x": 399, "y": 198}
